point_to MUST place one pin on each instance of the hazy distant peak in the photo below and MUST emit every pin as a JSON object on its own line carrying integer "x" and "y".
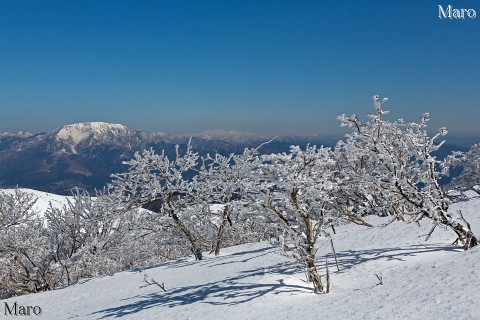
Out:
{"x": 71, "y": 130}
{"x": 221, "y": 133}
{"x": 21, "y": 134}
{"x": 74, "y": 134}
{"x": 230, "y": 135}
{"x": 79, "y": 131}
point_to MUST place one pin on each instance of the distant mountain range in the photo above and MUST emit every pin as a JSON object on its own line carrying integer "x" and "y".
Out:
{"x": 86, "y": 154}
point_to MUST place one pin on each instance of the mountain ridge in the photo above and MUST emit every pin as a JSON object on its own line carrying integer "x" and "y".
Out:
{"x": 85, "y": 154}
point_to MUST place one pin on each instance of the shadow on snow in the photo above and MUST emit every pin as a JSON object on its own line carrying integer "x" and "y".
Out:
{"x": 244, "y": 287}
{"x": 350, "y": 258}
{"x": 231, "y": 291}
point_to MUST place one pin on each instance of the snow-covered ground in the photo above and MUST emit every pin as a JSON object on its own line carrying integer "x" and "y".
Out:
{"x": 421, "y": 280}
{"x": 44, "y": 199}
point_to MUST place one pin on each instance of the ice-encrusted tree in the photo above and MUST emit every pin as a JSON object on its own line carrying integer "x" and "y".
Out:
{"x": 84, "y": 238}
{"x": 226, "y": 181}
{"x": 155, "y": 179}
{"x": 296, "y": 189}
{"x": 164, "y": 185}
{"x": 25, "y": 259}
{"x": 16, "y": 208}
{"x": 392, "y": 171}
{"x": 469, "y": 161}
{"x": 87, "y": 237}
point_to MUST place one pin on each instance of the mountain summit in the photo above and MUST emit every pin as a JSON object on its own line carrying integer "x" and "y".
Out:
{"x": 79, "y": 131}
{"x": 90, "y": 133}
{"x": 80, "y": 154}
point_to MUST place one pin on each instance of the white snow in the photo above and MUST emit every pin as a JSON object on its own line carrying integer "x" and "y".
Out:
{"x": 215, "y": 208}
{"x": 79, "y": 131}
{"x": 43, "y": 199}
{"x": 75, "y": 134}
{"x": 421, "y": 280}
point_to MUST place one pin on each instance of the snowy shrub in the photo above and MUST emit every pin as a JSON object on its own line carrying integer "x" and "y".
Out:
{"x": 25, "y": 260}
{"x": 296, "y": 189}
{"x": 86, "y": 235}
{"x": 84, "y": 238}
{"x": 160, "y": 183}
{"x": 16, "y": 209}
{"x": 469, "y": 178}
{"x": 223, "y": 185}
{"x": 391, "y": 171}
{"x": 201, "y": 209}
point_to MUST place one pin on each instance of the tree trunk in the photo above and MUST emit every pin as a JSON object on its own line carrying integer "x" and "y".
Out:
{"x": 308, "y": 256}
{"x": 225, "y": 219}
{"x": 313, "y": 276}
{"x": 196, "y": 250}
{"x": 465, "y": 234}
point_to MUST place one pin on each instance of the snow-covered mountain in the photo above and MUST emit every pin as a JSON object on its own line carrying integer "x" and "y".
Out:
{"x": 388, "y": 272}
{"x": 75, "y": 137}
{"x": 96, "y": 130}
{"x": 92, "y": 133}
{"x": 82, "y": 154}
{"x": 86, "y": 154}
{"x": 232, "y": 136}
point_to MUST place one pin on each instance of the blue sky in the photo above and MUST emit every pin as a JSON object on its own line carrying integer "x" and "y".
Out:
{"x": 283, "y": 67}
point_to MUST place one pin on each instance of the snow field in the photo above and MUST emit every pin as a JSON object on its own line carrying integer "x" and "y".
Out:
{"x": 421, "y": 280}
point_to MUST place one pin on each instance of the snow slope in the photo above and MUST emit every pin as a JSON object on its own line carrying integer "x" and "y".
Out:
{"x": 421, "y": 280}
{"x": 43, "y": 199}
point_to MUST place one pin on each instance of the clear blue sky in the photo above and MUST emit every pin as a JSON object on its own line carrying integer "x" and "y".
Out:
{"x": 280, "y": 67}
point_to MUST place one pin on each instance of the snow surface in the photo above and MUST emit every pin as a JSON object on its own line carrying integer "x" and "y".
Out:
{"x": 43, "y": 199}
{"x": 80, "y": 131}
{"x": 421, "y": 280}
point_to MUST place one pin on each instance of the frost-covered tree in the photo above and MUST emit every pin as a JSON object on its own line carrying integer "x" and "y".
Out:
{"x": 154, "y": 178}
{"x": 25, "y": 261}
{"x": 87, "y": 237}
{"x": 296, "y": 189}
{"x": 16, "y": 208}
{"x": 84, "y": 238}
{"x": 223, "y": 184}
{"x": 199, "y": 208}
{"x": 392, "y": 171}
{"x": 469, "y": 178}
